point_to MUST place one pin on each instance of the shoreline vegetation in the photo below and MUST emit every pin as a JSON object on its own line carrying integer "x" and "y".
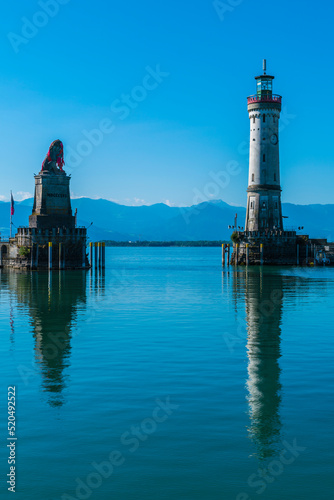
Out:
{"x": 202, "y": 243}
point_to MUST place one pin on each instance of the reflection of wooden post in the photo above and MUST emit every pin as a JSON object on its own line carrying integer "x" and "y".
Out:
{"x": 247, "y": 254}
{"x": 91, "y": 253}
{"x": 228, "y": 254}
{"x": 223, "y": 255}
{"x": 261, "y": 254}
{"x": 96, "y": 250}
{"x": 297, "y": 254}
{"x": 60, "y": 256}
{"x": 236, "y": 260}
{"x": 103, "y": 254}
{"x": 50, "y": 255}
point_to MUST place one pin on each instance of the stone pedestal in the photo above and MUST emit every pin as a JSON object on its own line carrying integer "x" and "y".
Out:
{"x": 52, "y": 203}
{"x": 268, "y": 248}
{"x": 52, "y": 240}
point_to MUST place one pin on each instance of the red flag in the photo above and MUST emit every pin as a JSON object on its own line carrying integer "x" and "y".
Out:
{"x": 11, "y": 204}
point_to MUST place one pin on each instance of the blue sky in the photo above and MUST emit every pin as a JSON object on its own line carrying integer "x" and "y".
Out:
{"x": 188, "y": 70}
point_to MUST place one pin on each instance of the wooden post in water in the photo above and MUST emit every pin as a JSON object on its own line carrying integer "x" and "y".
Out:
{"x": 50, "y": 255}
{"x": 31, "y": 256}
{"x": 96, "y": 250}
{"x": 100, "y": 254}
{"x": 103, "y": 254}
{"x": 223, "y": 255}
{"x": 84, "y": 256}
{"x": 306, "y": 254}
{"x": 91, "y": 253}
{"x": 228, "y": 254}
{"x": 261, "y": 254}
{"x": 36, "y": 256}
{"x": 236, "y": 260}
{"x": 60, "y": 256}
{"x": 247, "y": 254}
{"x": 297, "y": 254}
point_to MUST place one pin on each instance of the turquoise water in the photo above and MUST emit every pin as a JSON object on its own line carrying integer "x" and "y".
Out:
{"x": 166, "y": 377}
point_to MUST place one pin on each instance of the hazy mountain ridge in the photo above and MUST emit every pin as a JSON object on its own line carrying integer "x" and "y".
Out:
{"x": 205, "y": 221}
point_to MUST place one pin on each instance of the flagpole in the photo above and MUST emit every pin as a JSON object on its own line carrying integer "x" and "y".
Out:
{"x": 10, "y": 227}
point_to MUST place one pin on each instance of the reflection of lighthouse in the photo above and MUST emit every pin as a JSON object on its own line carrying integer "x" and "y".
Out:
{"x": 263, "y": 297}
{"x": 53, "y": 299}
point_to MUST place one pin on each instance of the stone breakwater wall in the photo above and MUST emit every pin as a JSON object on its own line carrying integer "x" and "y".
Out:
{"x": 57, "y": 248}
{"x": 280, "y": 248}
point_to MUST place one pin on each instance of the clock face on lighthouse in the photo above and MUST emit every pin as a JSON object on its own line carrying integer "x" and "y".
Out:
{"x": 274, "y": 139}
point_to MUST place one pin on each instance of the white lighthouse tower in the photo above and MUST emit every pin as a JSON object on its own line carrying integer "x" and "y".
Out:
{"x": 264, "y": 211}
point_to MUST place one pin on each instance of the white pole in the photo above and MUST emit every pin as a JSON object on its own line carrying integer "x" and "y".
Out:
{"x": 10, "y": 226}
{"x": 50, "y": 256}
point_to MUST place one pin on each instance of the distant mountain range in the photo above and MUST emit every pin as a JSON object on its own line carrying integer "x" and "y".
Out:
{"x": 205, "y": 221}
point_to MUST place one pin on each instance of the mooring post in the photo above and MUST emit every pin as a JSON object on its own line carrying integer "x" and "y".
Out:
{"x": 103, "y": 254}
{"x": 306, "y": 254}
{"x": 261, "y": 254}
{"x": 91, "y": 253}
{"x": 236, "y": 260}
{"x": 247, "y": 254}
{"x": 83, "y": 255}
{"x": 223, "y": 254}
{"x": 228, "y": 254}
{"x": 36, "y": 256}
{"x": 96, "y": 250}
{"x": 99, "y": 247}
{"x": 50, "y": 255}
{"x": 31, "y": 256}
{"x": 60, "y": 256}
{"x": 297, "y": 254}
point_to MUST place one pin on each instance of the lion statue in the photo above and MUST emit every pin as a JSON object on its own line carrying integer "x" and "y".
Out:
{"x": 54, "y": 160}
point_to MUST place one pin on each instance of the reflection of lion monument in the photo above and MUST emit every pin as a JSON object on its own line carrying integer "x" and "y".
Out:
{"x": 54, "y": 158}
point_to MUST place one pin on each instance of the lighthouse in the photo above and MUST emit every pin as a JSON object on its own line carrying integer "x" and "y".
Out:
{"x": 264, "y": 240}
{"x": 264, "y": 211}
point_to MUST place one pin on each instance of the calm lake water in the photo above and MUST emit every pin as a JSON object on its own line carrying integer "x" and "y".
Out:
{"x": 166, "y": 377}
